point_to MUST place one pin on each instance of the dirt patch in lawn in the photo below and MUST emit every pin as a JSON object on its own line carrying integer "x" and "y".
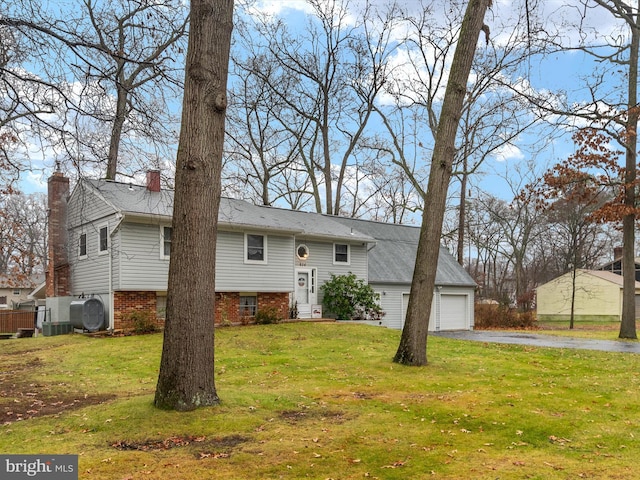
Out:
{"x": 295, "y": 416}
{"x": 22, "y": 399}
{"x": 218, "y": 447}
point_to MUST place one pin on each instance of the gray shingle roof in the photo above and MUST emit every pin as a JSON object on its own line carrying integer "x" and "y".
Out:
{"x": 137, "y": 200}
{"x": 392, "y": 260}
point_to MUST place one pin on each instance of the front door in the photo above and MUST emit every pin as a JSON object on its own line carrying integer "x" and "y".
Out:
{"x": 305, "y": 291}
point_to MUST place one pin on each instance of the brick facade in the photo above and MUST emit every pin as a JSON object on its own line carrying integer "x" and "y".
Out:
{"x": 127, "y": 303}
{"x": 227, "y": 307}
{"x": 279, "y": 301}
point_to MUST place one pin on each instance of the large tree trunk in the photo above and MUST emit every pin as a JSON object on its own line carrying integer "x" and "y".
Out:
{"x": 628, "y": 323}
{"x": 186, "y": 379}
{"x": 413, "y": 343}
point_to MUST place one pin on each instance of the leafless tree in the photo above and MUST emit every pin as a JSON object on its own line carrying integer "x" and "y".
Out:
{"x": 487, "y": 265}
{"x": 610, "y": 101}
{"x": 23, "y": 234}
{"x": 493, "y": 118}
{"x": 413, "y": 342}
{"x": 102, "y": 74}
{"x": 323, "y": 81}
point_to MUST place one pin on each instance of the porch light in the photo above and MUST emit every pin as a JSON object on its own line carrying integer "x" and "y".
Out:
{"x": 302, "y": 252}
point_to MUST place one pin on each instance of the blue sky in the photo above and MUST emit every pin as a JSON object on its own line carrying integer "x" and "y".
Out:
{"x": 560, "y": 72}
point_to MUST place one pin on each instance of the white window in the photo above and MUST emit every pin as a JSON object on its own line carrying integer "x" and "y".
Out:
{"x": 255, "y": 247}
{"x": 341, "y": 253}
{"x": 161, "y": 307}
{"x": 165, "y": 242}
{"x": 82, "y": 245}
{"x": 248, "y": 304}
{"x": 103, "y": 240}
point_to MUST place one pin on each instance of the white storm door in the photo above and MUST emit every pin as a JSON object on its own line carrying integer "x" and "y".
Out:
{"x": 302, "y": 286}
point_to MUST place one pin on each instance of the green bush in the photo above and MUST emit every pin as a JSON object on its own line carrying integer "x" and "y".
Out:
{"x": 142, "y": 322}
{"x": 350, "y": 298}
{"x": 268, "y": 315}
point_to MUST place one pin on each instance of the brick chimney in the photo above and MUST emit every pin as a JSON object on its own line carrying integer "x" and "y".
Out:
{"x": 617, "y": 253}
{"x": 153, "y": 180}
{"x": 58, "y": 278}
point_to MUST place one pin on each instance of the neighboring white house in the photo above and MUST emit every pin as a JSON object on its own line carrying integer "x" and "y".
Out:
{"x": 597, "y": 297}
{"x": 111, "y": 241}
{"x": 15, "y": 290}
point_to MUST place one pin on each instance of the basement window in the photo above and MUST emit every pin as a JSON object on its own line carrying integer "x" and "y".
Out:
{"x": 248, "y": 304}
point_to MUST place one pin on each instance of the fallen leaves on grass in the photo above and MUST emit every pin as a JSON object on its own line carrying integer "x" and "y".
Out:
{"x": 559, "y": 440}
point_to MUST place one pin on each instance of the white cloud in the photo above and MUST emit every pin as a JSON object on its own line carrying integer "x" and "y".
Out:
{"x": 276, "y": 8}
{"x": 507, "y": 152}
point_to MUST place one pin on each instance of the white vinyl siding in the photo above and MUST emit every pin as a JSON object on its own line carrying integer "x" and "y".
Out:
{"x": 138, "y": 265}
{"x": 139, "y": 262}
{"x": 233, "y": 274}
{"x": 321, "y": 257}
{"x": 89, "y": 273}
{"x": 391, "y": 302}
{"x": 85, "y": 207}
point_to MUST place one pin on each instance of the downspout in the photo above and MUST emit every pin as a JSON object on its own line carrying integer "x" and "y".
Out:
{"x": 120, "y": 218}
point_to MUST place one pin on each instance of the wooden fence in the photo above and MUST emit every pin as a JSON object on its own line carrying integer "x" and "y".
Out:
{"x": 12, "y": 320}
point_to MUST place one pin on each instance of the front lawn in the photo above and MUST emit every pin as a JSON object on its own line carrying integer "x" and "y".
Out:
{"x": 313, "y": 400}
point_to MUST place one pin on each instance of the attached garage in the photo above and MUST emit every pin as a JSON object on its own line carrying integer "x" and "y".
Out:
{"x": 449, "y": 311}
{"x": 391, "y": 263}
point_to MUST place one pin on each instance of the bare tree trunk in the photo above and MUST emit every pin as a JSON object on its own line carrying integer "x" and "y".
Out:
{"x": 413, "y": 343}
{"x": 462, "y": 214}
{"x": 186, "y": 379}
{"x": 573, "y": 297}
{"x": 116, "y": 129}
{"x": 628, "y": 323}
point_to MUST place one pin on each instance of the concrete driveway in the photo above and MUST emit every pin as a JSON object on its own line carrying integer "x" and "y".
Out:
{"x": 541, "y": 340}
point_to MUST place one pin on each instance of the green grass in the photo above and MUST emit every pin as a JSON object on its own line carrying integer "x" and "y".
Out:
{"x": 325, "y": 401}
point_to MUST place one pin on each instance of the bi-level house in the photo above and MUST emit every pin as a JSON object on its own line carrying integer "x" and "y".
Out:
{"x": 112, "y": 241}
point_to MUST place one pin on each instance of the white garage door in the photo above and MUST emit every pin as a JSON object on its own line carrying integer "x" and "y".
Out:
{"x": 453, "y": 312}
